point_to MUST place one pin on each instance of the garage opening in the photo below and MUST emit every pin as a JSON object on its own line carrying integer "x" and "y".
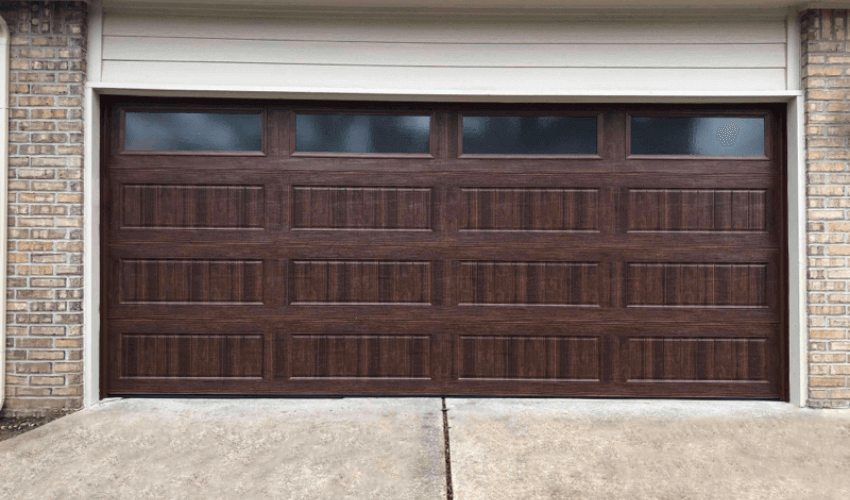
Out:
{"x": 365, "y": 248}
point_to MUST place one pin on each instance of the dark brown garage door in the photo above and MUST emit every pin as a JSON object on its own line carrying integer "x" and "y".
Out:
{"x": 315, "y": 248}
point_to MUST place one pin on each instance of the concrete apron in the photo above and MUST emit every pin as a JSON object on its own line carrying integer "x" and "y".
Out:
{"x": 393, "y": 448}
{"x": 233, "y": 448}
{"x": 637, "y": 449}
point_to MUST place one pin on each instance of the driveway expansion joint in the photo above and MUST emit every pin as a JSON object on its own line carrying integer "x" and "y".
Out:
{"x": 447, "y": 444}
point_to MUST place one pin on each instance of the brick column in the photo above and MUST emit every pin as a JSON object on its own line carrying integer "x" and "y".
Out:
{"x": 826, "y": 80}
{"x": 45, "y": 283}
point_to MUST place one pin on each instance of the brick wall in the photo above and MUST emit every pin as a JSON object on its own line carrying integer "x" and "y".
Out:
{"x": 45, "y": 276}
{"x": 826, "y": 80}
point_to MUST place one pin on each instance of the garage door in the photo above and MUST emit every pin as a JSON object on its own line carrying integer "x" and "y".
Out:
{"x": 317, "y": 248}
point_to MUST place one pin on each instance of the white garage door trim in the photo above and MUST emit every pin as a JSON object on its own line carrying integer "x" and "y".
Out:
{"x": 796, "y": 168}
{"x": 4, "y": 186}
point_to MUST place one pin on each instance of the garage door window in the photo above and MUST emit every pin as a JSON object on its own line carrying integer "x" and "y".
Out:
{"x": 182, "y": 131}
{"x": 697, "y": 135}
{"x": 529, "y": 135}
{"x": 375, "y": 134}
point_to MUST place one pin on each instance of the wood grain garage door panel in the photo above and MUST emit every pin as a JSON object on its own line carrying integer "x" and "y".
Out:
{"x": 191, "y": 281}
{"x": 502, "y": 209}
{"x": 191, "y": 356}
{"x": 698, "y": 359}
{"x": 332, "y": 207}
{"x": 697, "y": 285}
{"x": 184, "y": 206}
{"x": 529, "y": 283}
{"x": 360, "y": 356}
{"x": 543, "y": 358}
{"x": 361, "y": 282}
{"x": 698, "y": 210}
{"x": 300, "y": 272}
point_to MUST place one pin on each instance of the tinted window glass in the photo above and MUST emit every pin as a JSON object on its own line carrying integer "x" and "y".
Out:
{"x": 697, "y": 135}
{"x": 362, "y": 133}
{"x": 193, "y": 131}
{"x": 529, "y": 135}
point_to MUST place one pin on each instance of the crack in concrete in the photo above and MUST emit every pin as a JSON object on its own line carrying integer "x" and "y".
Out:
{"x": 449, "y": 489}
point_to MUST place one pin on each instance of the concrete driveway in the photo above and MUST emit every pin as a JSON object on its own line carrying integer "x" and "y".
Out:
{"x": 393, "y": 448}
{"x": 353, "y": 448}
{"x": 628, "y": 449}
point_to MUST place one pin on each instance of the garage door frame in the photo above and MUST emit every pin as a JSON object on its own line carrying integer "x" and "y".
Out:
{"x": 788, "y": 180}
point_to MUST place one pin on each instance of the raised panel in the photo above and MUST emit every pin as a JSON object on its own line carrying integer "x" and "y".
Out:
{"x": 492, "y": 209}
{"x": 182, "y": 206}
{"x": 529, "y": 283}
{"x": 191, "y": 356}
{"x": 717, "y": 210}
{"x": 541, "y": 358}
{"x": 361, "y": 282}
{"x": 360, "y": 356}
{"x": 697, "y": 285}
{"x": 385, "y": 208}
{"x": 697, "y": 359}
{"x": 191, "y": 281}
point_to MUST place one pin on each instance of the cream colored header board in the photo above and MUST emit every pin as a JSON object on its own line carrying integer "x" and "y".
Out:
{"x": 443, "y": 54}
